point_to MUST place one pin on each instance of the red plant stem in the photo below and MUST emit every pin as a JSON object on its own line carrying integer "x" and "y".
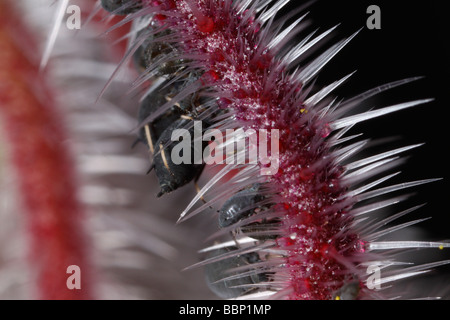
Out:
{"x": 242, "y": 67}
{"x": 33, "y": 129}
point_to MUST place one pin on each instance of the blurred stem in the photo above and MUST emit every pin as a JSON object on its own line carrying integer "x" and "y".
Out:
{"x": 44, "y": 170}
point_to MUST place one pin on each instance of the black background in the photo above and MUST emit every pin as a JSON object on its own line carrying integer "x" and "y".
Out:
{"x": 413, "y": 41}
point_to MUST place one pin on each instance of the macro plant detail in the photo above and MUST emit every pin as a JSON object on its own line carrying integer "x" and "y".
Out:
{"x": 300, "y": 233}
{"x": 307, "y": 208}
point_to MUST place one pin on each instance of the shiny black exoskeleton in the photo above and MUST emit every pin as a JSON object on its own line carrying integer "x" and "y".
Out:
{"x": 153, "y": 130}
{"x": 156, "y": 56}
{"x": 158, "y": 132}
{"x": 227, "y": 289}
{"x": 157, "y": 59}
{"x": 240, "y": 206}
{"x": 245, "y": 204}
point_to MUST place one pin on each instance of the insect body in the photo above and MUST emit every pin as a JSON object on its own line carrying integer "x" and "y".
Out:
{"x": 157, "y": 134}
{"x": 228, "y": 284}
{"x": 244, "y": 204}
{"x": 240, "y": 206}
{"x": 171, "y": 176}
{"x": 157, "y": 60}
{"x": 157, "y": 57}
{"x": 153, "y": 130}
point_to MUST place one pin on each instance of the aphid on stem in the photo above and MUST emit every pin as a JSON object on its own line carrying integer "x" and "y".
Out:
{"x": 262, "y": 80}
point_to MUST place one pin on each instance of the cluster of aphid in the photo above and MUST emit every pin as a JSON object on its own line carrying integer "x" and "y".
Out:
{"x": 154, "y": 58}
{"x": 295, "y": 234}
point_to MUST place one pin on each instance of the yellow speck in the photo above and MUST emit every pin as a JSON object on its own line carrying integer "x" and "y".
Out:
{"x": 303, "y": 110}
{"x": 337, "y": 298}
{"x": 441, "y": 247}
